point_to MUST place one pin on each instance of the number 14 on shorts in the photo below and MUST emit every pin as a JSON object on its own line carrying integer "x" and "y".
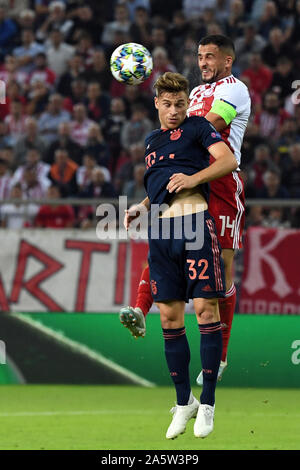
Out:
{"x": 226, "y": 224}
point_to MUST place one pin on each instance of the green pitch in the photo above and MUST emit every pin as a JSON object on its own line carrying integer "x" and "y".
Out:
{"x": 114, "y": 417}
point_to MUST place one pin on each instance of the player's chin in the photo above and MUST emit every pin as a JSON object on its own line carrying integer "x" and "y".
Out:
{"x": 174, "y": 124}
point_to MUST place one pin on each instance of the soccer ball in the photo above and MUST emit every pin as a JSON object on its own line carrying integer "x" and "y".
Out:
{"x": 131, "y": 63}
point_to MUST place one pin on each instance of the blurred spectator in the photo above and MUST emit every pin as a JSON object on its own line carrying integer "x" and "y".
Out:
{"x": 178, "y": 30}
{"x": 276, "y": 48}
{"x": 8, "y": 30}
{"x": 99, "y": 187}
{"x": 17, "y": 7}
{"x": 234, "y": 25}
{"x": 50, "y": 120}
{"x": 134, "y": 97}
{"x": 33, "y": 161}
{"x": 5, "y": 138}
{"x": 272, "y": 188}
{"x": 140, "y": 29}
{"x": 30, "y": 140}
{"x": 255, "y": 217}
{"x": 250, "y": 42}
{"x": 25, "y": 19}
{"x": 270, "y": 119}
{"x": 256, "y": 99}
{"x": 15, "y": 121}
{"x": 126, "y": 171}
{"x": 64, "y": 141}
{"x": 63, "y": 173}
{"x": 283, "y": 78}
{"x": 5, "y": 180}
{"x": 41, "y": 71}
{"x": 85, "y": 22}
{"x": 75, "y": 71}
{"x": 59, "y": 53}
{"x": 262, "y": 162}
{"x": 249, "y": 189}
{"x": 291, "y": 175}
{"x": 276, "y": 219}
{"x": 288, "y": 136}
{"x": 56, "y": 19}
{"x": 135, "y": 5}
{"x": 78, "y": 94}
{"x": 165, "y": 9}
{"x": 97, "y": 102}
{"x": 85, "y": 48}
{"x": 252, "y": 139}
{"x": 112, "y": 129}
{"x": 96, "y": 146}
{"x": 38, "y": 96}
{"x": 17, "y": 215}
{"x": 135, "y": 188}
{"x": 7, "y": 154}
{"x": 33, "y": 187}
{"x": 259, "y": 75}
{"x": 269, "y": 19}
{"x": 161, "y": 64}
{"x": 84, "y": 172}
{"x": 194, "y": 9}
{"x": 121, "y": 23}
{"x": 55, "y": 216}
{"x": 159, "y": 38}
{"x": 27, "y": 52}
{"x": 80, "y": 125}
{"x": 10, "y": 71}
{"x": 135, "y": 130}
{"x": 98, "y": 70}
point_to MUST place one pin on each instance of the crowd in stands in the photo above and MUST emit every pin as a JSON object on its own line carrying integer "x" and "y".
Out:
{"x": 69, "y": 130}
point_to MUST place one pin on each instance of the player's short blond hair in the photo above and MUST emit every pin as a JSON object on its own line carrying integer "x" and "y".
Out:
{"x": 171, "y": 82}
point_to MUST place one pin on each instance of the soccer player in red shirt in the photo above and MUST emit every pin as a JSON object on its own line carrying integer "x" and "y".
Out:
{"x": 225, "y": 102}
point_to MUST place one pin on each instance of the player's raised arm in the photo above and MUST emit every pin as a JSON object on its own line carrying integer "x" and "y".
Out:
{"x": 224, "y": 163}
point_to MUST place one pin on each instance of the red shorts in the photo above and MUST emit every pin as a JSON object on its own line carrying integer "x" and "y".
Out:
{"x": 227, "y": 206}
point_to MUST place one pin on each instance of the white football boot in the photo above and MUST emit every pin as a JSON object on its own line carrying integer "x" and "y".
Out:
{"x": 204, "y": 423}
{"x": 134, "y": 320}
{"x": 182, "y": 414}
{"x": 222, "y": 367}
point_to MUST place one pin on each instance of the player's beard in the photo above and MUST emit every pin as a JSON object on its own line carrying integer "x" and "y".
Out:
{"x": 214, "y": 78}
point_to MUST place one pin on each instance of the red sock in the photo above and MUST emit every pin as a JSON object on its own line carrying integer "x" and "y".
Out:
{"x": 144, "y": 298}
{"x": 226, "y": 307}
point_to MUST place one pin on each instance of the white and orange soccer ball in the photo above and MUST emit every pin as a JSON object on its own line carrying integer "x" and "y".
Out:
{"x": 131, "y": 63}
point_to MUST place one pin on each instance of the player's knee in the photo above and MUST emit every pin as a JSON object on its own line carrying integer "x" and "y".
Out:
{"x": 207, "y": 311}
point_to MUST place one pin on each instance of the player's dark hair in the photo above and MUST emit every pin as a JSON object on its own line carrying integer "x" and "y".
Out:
{"x": 171, "y": 82}
{"x": 223, "y": 42}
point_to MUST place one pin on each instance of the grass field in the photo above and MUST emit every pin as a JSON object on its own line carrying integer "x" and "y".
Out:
{"x": 116, "y": 417}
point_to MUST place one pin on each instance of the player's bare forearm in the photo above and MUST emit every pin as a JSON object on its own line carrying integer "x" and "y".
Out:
{"x": 217, "y": 121}
{"x": 224, "y": 163}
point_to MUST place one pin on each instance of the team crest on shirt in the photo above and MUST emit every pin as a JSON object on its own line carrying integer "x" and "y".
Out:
{"x": 153, "y": 287}
{"x": 175, "y": 135}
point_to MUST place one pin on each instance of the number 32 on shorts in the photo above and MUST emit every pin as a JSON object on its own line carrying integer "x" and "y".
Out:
{"x": 202, "y": 265}
{"x": 226, "y": 224}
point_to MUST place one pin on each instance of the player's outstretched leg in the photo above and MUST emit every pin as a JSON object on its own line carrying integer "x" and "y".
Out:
{"x": 133, "y": 318}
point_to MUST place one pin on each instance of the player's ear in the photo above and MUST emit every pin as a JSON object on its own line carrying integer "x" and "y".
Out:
{"x": 156, "y": 102}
